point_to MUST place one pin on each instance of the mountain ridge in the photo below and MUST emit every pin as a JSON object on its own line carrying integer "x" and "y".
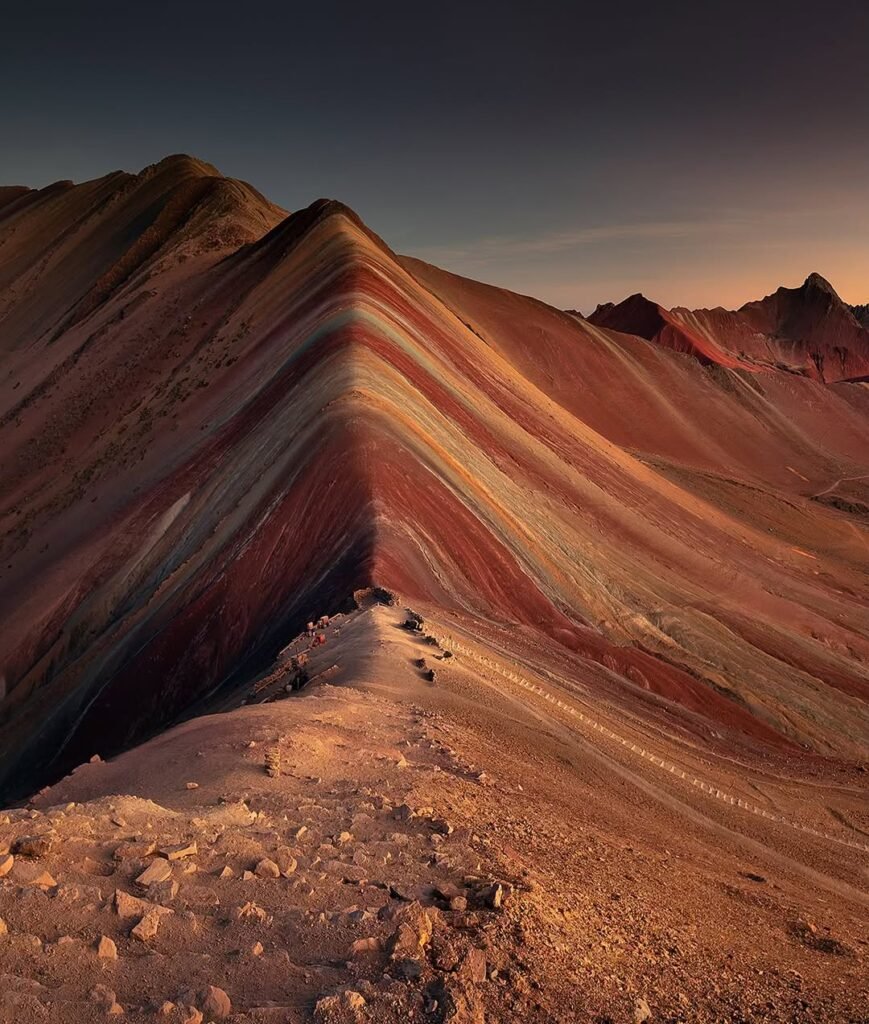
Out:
{"x": 807, "y": 330}
{"x": 298, "y": 415}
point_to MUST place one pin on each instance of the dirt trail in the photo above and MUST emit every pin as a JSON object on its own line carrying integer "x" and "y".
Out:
{"x": 836, "y": 483}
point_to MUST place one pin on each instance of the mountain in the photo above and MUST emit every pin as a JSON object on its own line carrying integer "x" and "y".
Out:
{"x": 220, "y": 421}
{"x": 861, "y": 313}
{"x": 807, "y": 330}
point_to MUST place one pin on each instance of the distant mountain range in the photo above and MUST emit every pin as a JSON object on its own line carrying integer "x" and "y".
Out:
{"x": 807, "y": 330}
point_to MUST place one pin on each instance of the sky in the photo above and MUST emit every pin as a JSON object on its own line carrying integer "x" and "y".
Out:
{"x": 702, "y": 153}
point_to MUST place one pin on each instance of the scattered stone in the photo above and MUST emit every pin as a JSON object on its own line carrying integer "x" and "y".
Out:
{"x": 179, "y": 851}
{"x": 227, "y": 872}
{"x": 286, "y": 861}
{"x": 96, "y": 868}
{"x": 216, "y": 1004}
{"x": 4, "y": 929}
{"x": 106, "y": 948}
{"x": 457, "y": 1001}
{"x": 473, "y": 966}
{"x": 267, "y": 869}
{"x": 43, "y": 881}
{"x": 32, "y": 846}
{"x": 6, "y": 864}
{"x": 162, "y": 892}
{"x": 459, "y": 903}
{"x": 134, "y": 850}
{"x": 273, "y": 762}
{"x": 414, "y": 929}
{"x": 369, "y": 945}
{"x": 159, "y": 870}
{"x": 102, "y": 995}
{"x": 346, "y": 872}
{"x": 147, "y": 928}
{"x": 190, "y": 1015}
{"x": 129, "y": 906}
{"x": 257, "y": 949}
{"x": 492, "y": 895}
{"x": 192, "y": 785}
{"x": 409, "y": 968}
{"x": 167, "y": 1007}
{"x": 251, "y": 910}
{"x": 642, "y": 1012}
{"x": 345, "y": 1008}
{"x": 115, "y": 1010}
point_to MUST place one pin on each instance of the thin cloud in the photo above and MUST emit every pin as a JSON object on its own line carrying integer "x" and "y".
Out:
{"x": 485, "y": 250}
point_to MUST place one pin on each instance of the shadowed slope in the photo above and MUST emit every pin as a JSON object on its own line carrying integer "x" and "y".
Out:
{"x": 216, "y": 447}
{"x": 66, "y": 248}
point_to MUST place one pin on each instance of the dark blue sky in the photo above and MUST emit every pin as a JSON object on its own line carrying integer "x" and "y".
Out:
{"x": 701, "y": 153}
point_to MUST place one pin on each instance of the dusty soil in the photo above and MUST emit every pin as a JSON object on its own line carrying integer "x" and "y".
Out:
{"x": 383, "y": 846}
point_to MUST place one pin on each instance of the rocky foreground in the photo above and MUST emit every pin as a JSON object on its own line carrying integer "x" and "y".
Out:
{"x": 408, "y": 839}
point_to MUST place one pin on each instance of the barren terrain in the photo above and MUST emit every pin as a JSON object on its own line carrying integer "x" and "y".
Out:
{"x": 380, "y": 645}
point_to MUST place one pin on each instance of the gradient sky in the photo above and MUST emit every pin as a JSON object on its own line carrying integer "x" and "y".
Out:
{"x": 702, "y": 153}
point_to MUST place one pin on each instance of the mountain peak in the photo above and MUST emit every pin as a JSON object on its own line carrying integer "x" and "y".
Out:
{"x": 183, "y": 164}
{"x": 634, "y": 315}
{"x": 815, "y": 282}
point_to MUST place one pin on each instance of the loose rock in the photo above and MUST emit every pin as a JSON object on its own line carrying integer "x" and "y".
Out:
{"x": 344, "y": 1008}
{"x": 159, "y": 870}
{"x": 32, "y": 846}
{"x": 216, "y": 1004}
{"x": 642, "y": 1012}
{"x": 146, "y": 929}
{"x": 134, "y": 850}
{"x": 267, "y": 869}
{"x": 179, "y": 851}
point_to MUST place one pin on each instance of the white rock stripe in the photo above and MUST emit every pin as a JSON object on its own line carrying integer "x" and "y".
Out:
{"x": 449, "y": 643}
